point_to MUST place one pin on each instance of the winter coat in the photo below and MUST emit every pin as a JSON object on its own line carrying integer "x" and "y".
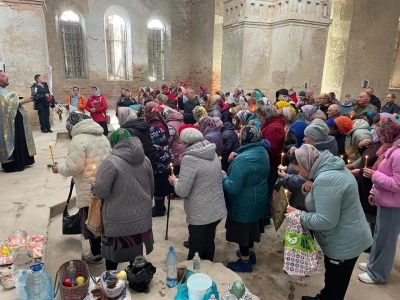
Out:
{"x": 359, "y": 132}
{"x": 274, "y": 131}
{"x": 200, "y": 184}
{"x": 100, "y": 104}
{"x": 360, "y": 114}
{"x": 174, "y": 121}
{"x": 87, "y": 149}
{"x": 329, "y": 144}
{"x": 230, "y": 143}
{"x": 81, "y": 103}
{"x": 294, "y": 182}
{"x": 188, "y": 117}
{"x": 344, "y": 110}
{"x": 214, "y": 111}
{"x": 125, "y": 183}
{"x": 334, "y": 210}
{"x": 376, "y": 102}
{"x": 214, "y": 135}
{"x": 138, "y": 127}
{"x": 246, "y": 183}
{"x": 172, "y": 104}
{"x": 225, "y": 115}
{"x": 38, "y": 93}
{"x": 159, "y": 135}
{"x": 386, "y": 179}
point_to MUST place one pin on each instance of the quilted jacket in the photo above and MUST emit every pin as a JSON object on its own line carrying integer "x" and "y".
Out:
{"x": 230, "y": 143}
{"x": 359, "y": 132}
{"x": 200, "y": 184}
{"x": 334, "y": 210}
{"x": 246, "y": 183}
{"x": 88, "y": 148}
{"x": 125, "y": 182}
{"x": 214, "y": 135}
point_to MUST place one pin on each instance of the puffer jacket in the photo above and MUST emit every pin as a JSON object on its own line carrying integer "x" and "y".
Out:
{"x": 359, "y": 132}
{"x": 386, "y": 179}
{"x": 214, "y": 111}
{"x": 274, "y": 131}
{"x": 213, "y": 135}
{"x": 87, "y": 150}
{"x": 334, "y": 210}
{"x": 246, "y": 183}
{"x": 230, "y": 143}
{"x": 138, "y": 127}
{"x": 125, "y": 182}
{"x": 329, "y": 144}
{"x": 174, "y": 121}
{"x": 200, "y": 184}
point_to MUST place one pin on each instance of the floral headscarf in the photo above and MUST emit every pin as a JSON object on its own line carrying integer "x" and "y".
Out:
{"x": 152, "y": 112}
{"x": 389, "y": 129}
{"x": 243, "y": 115}
{"x": 199, "y": 112}
{"x": 74, "y": 118}
{"x": 118, "y": 136}
{"x": 206, "y": 123}
{"x": 308, "y": 111}
{"x": 250, "y": 134}
{"x": 167, "y": 111}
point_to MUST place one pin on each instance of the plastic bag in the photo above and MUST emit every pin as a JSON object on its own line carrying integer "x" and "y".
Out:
{"x": 300, "y": 255}
{"x": 183, "y": 293}
{"x": 111, "y": 287}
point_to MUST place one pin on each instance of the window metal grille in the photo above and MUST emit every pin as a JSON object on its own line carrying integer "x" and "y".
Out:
{"x": 72, "y": 48}
{"x": 116, "y": 42}
{"x": 156, "y": 54}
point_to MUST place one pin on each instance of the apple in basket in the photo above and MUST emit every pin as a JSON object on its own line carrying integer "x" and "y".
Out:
{"x": 80, "y": 280}
{"x": 67, "y": 282}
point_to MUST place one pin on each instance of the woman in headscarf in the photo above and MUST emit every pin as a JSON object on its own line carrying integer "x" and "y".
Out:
{"x": 246, "y": 184}
{"x": 272, "y": 129}
{"x": 232, "y": 112}
{"x": 76, "y": 99}
{"x": 238, "y": 92}
{"x": 97, "y": 106}
{"x": 225, "y": 106}
{"x": 203, "y": 91}
{"x": 255, "y": 97}
{"x": 164, "y": 100}
{"x": 244, "y": 117}
{"x": 211, "y": 132}
{"x": 86, "y": 151}
{"x": 212, "y": 107}
{"x": 162, "y": 158}
{"x": 334, "y": 215}
{"x": 385, "y": 194}
{"x": 312, "y": 114}
{"x": 199, "y": 112}
{"x": 347, "y": 106}
{"x": 126, "y": 220}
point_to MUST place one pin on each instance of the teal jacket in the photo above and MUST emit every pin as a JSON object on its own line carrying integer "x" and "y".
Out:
{"x": 246, "y": 183}
{"x": 334, "y": 210}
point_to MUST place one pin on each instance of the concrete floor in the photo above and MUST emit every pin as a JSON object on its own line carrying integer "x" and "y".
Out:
{"x": 28, "y": 198}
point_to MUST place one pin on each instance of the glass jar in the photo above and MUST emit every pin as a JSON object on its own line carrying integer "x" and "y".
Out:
{"x": 238, "y": 289}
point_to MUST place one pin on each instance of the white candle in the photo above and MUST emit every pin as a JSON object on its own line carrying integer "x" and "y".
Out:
{"x": 51, "y": 152}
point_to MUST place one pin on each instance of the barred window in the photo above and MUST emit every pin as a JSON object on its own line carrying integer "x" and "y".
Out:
{"x": 156, "y": 50}
{"x": 116, "y": 42}
{"x": 71, "y": 29}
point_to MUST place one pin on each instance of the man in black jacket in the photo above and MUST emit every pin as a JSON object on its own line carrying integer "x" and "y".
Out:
{"x": 374, "y": 99}
{"x": 192, "y": 102}
{"x": 43, "y": 100}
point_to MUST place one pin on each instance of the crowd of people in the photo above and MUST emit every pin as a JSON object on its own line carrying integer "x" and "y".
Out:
{"x": 222, "y": 154}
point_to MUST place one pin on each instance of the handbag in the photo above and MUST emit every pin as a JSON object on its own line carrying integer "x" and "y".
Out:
{"x": 93, "y": 222}
{"x": 71, "y": 223}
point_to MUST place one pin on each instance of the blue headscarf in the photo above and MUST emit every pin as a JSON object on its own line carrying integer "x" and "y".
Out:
{"x": 297, "y": 128}
{"x": 97, "y": 91}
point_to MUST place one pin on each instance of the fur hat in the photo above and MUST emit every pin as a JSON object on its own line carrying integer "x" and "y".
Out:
{"x": 318, "y": 131}
{"x": 191, "y": 136}
{"x": 344, "y": 124}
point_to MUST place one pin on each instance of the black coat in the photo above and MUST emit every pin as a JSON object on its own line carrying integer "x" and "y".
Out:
{"x": 188, "y": 117}
{"x": 138, "y": 127}
{"x": 38, "y": 93}
{"x": 375, "y": 101}
{"x": 230, "y": 143}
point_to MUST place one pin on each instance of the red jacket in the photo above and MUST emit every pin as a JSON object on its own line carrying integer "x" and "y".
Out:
{"x": 99, "y": 103}
{"x": 171, "y": 97}
{"x": 293, "y": 97}
{"x": 274, "y": 131}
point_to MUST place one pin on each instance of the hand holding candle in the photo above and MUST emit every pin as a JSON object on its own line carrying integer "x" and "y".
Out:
{"x": 171, "y": 166}
{"x": 51, "y": 152}
{"x": 282, "y": 156}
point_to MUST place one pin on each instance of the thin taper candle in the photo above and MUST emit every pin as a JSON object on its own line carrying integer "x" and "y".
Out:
{"x": 282, "y": 155}
{"x": 51, "y": 152}
{"x": 366, "y": 161}
{"x": 172, "y": 169}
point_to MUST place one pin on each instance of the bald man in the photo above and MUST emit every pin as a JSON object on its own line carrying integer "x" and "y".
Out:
{"x": 333, "y": 111}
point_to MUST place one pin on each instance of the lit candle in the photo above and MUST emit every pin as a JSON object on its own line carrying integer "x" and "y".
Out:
{"x": 220, "y": 159}
{"x": 366, "y": 161}
{"x": 172, "y": 169}
{"x": 51, "y": 152}
{"x": 348, "y": 161}
{"x": 282, "y": 155}
{"x": 94, "y": 171}
{"x": 341, "y": 156}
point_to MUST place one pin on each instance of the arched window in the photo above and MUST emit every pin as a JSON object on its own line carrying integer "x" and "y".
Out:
{"x": 116, "y": 41}
{"x": 156, "y": 50}
{"x": 71, "y": 29}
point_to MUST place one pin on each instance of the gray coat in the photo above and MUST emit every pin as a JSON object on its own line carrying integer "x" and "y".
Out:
{"x": 200, "y": 184}
{"x": 125, "y": 182}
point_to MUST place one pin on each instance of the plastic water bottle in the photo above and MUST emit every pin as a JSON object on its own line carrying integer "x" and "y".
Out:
{"x": 196, "y": 262}
{"x": 39, "y": 284}
{"x": 71, "y": 272}
{"x": 21, "y": 285}
{"x": 212, "y": 297}
{"x": 172, "y": 268}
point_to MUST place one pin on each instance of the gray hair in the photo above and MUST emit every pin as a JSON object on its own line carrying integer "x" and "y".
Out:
{"x": 267, "y": 111}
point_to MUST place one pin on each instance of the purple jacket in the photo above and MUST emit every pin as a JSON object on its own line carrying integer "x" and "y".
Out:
{"x": 174, "y": 121}
{"x": 386, "y": 179}
{"x": 213, "y": 135}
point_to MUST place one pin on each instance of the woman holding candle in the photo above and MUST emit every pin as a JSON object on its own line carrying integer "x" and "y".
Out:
{"x": 334, "y": 215}
{"x": 162, "y": 158}
{"x": 200, "y": 186}
{"x": 246, "y": 184}
{"x": 125, "y": 183}
{"x": 87, "y": 149}
{"x": 385, "y": 194}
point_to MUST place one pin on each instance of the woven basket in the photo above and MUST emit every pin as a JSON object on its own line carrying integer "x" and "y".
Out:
{"x": 76, "y": 292}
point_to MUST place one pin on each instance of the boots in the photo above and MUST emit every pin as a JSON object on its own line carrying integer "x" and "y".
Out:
{"x": 159, "y": 208}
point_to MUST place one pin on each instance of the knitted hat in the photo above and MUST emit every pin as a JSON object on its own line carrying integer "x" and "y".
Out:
{"x": 190, "y": 135}
{"x": 344, "y": 124}
{"x": 330, "y": 122}
{"x": 318, "y": 131}
{"x": 302, "y": 94}
{"x": 185, "y": 127}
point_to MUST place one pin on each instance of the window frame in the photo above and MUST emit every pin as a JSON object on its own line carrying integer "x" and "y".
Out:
{"x": 156, "y": 39}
